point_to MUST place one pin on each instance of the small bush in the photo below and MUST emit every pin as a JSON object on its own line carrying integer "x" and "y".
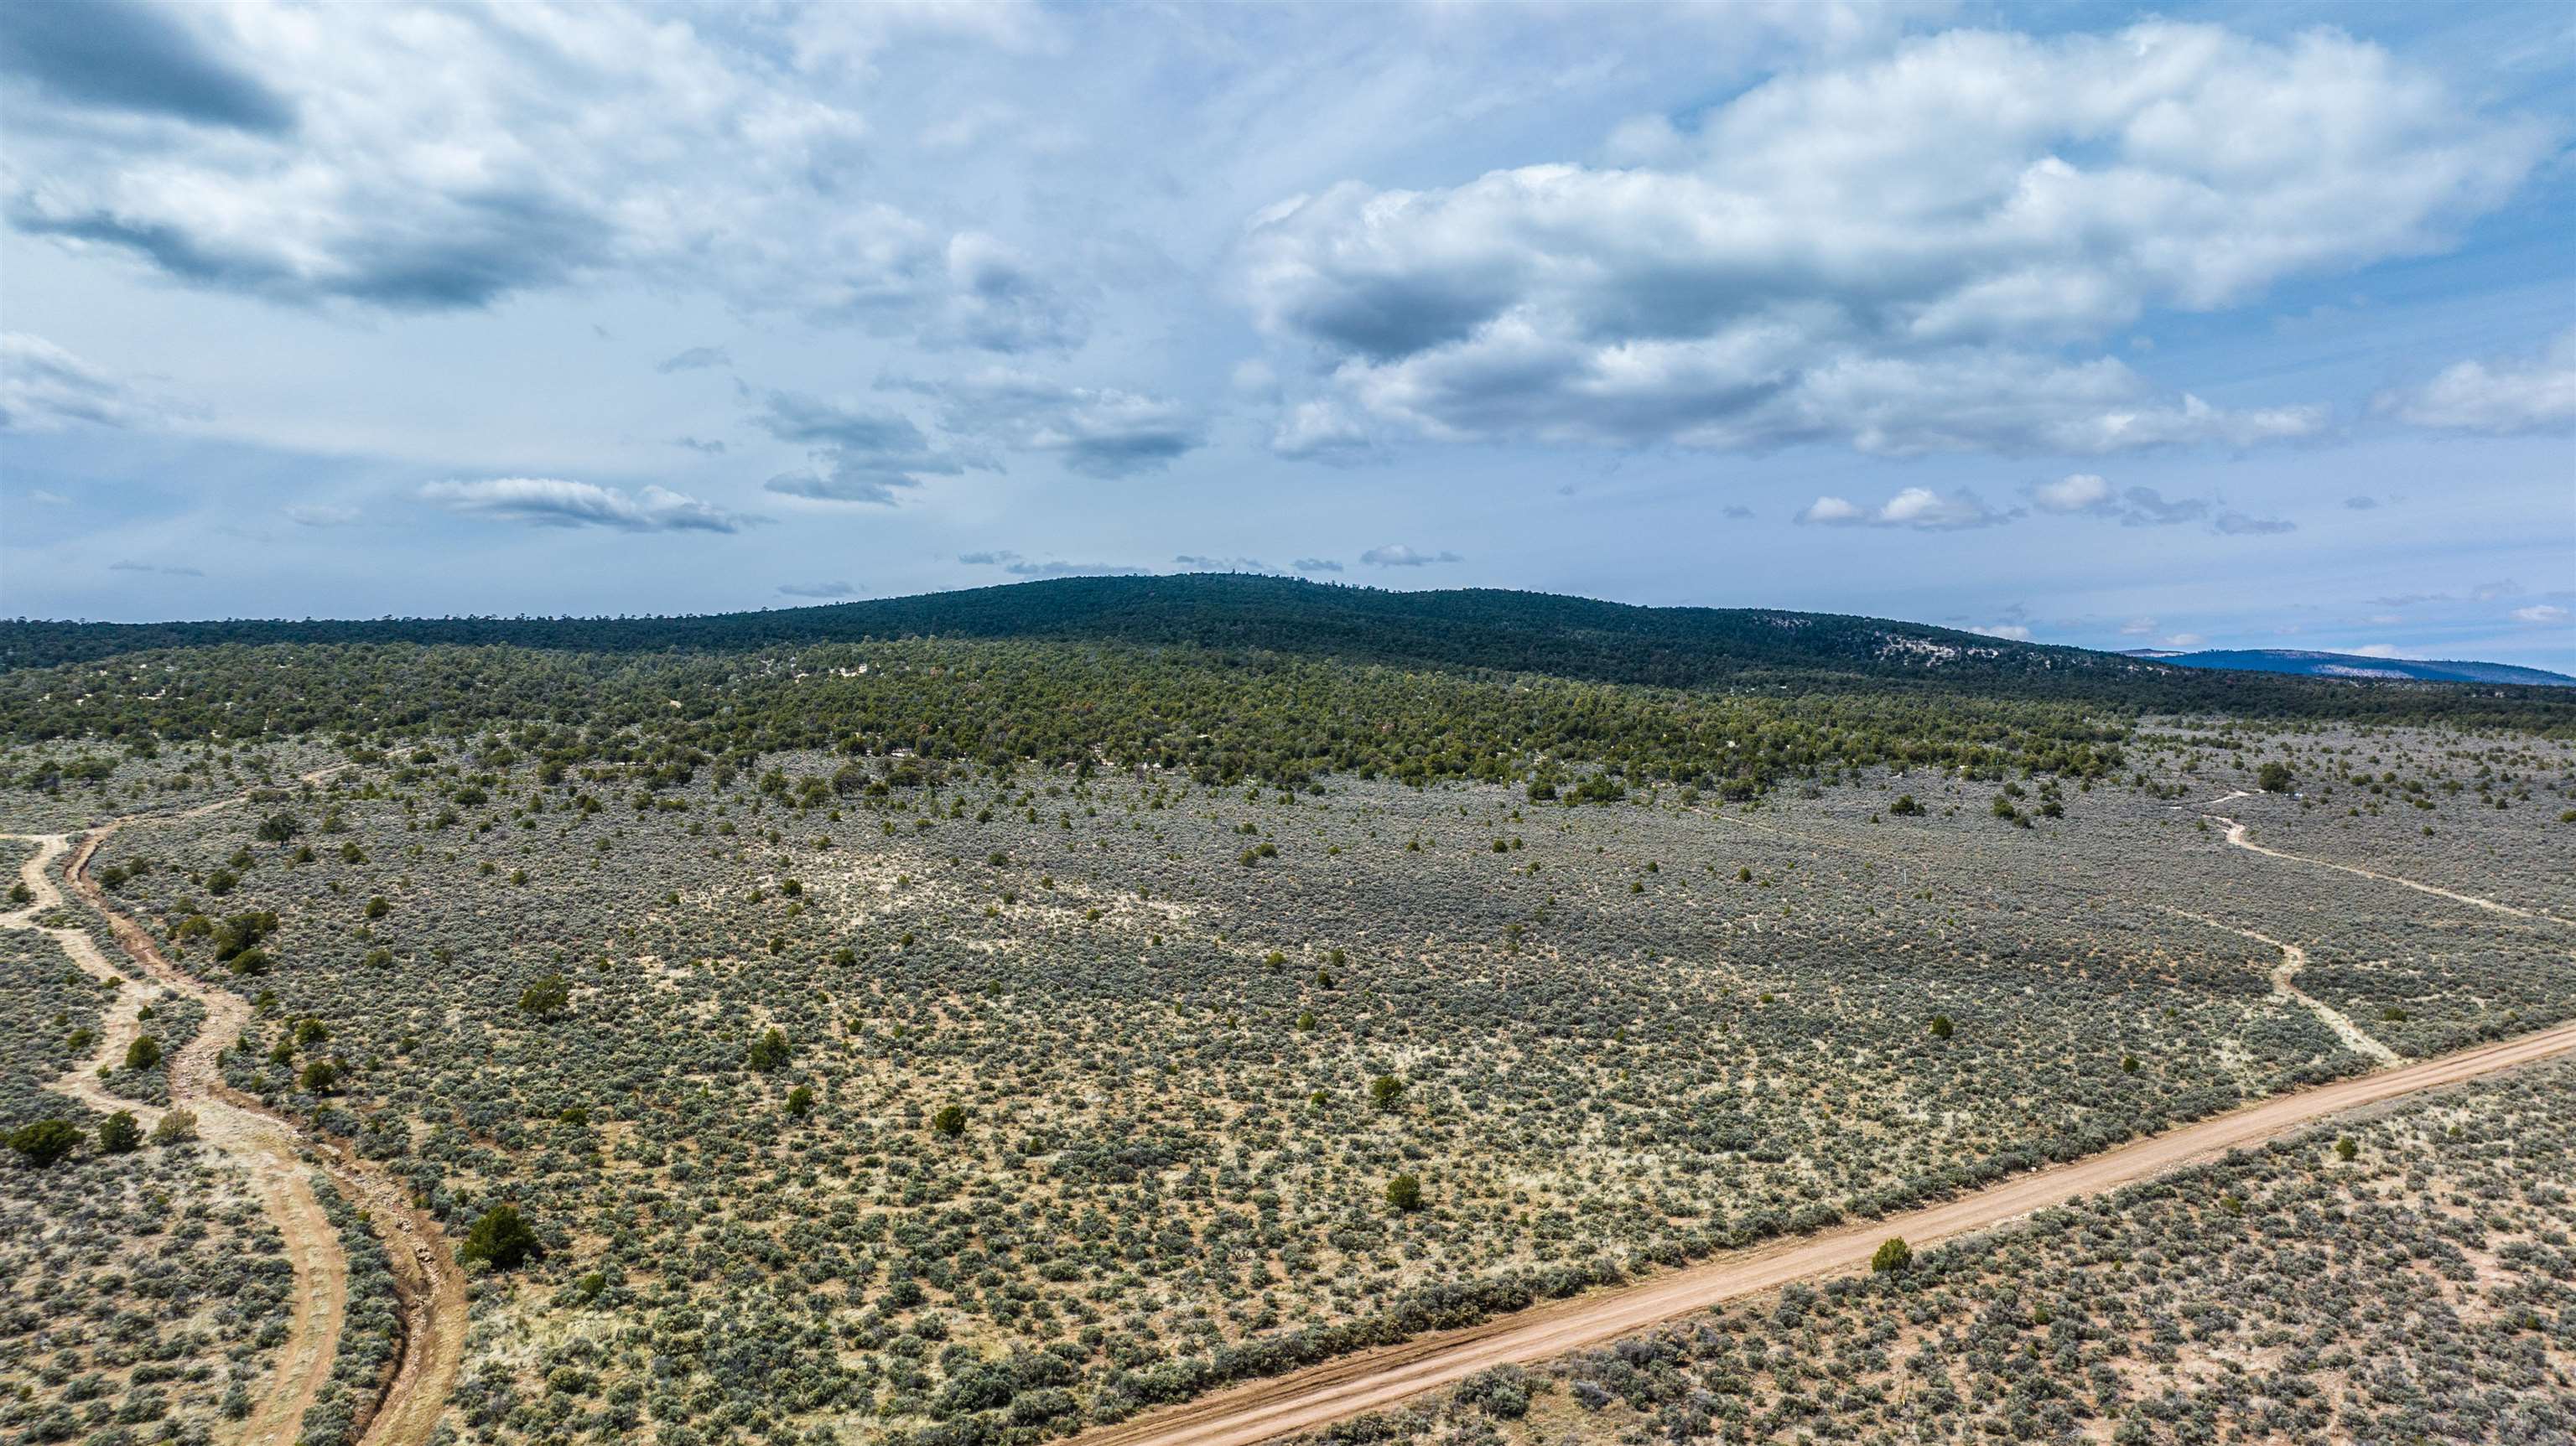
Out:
{"x": 45, "y": 1141}
{"x": 501, "y": 1239}
{"x": 1404, "y": 1192}
{"x": 119, "y": 1133}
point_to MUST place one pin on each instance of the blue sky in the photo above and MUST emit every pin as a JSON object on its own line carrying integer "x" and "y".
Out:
{"x": 2212, "y": 325}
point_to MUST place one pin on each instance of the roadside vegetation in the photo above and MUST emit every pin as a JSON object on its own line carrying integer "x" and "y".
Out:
{"x": 2405, "y": 1278}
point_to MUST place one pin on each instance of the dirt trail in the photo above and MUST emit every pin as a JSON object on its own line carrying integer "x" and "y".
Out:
{"x": 272, "y": 1149}
{"x": 2294, "y": 959}
{"x": 2236, "y": 836}
{"x": 1369, "y": 1381}
{"x": 259, "y": 1144}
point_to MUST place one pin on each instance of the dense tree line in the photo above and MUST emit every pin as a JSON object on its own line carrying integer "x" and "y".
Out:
{"x": 1472, "y": 630}
{"x": 1219, "y": 715}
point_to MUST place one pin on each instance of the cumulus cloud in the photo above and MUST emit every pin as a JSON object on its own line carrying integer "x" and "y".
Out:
{"x": 1198, "y": 563}
{"x": 1886, "y": 255}
{"x": 1398, "y": 555}
{"x": 434, "y": 158}
{"x": 2545, "y": 614}
{"x": 555, "y": 502}
{"x": 1098, "y": 432}
{"x": 44, "y": 387}
{"x": 2076, "y": 492}
{"x": 2530, "y": 393}
{"x": 1320, "y": 429}
{"x": 858, "y": 454}
{"x": 142, "y": 59}
{"x": 1917, "y": 507}
{"x": 818, "y": 589}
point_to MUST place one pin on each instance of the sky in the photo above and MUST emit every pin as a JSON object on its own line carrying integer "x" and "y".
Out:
{"x": 2206, "y": 326}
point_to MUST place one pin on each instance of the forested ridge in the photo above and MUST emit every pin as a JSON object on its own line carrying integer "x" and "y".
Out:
{"x": 1227, "y": 676}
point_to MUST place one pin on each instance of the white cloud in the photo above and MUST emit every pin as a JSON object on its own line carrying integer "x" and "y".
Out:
{"x": 1398, "y": 555}
{"x": 320, "y": 514}
{"x": 2015, "y": 632}
{"x": 2137, "y": 627}
{"x": 2185, "y": 640}
{"x": 2376, "y": 650}
{"x": 2075, "y": 492}
{"x": 1320, "y": 429}
{"x": 554, "y": 502}
{"x": 1892, "y": 255}
{"x": 2531, "y": 393}
{"x": 1920, "y": 508}
{"x": 2547, "y": 614}
{"x": 435, "y": 158}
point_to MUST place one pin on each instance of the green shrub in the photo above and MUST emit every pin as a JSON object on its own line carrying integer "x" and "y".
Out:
{"x": 500, "y": 1238}
{"x": 1404, "y": 1192}
{"x": 45, "y": 1141}
{"x": 119, "y": 1133}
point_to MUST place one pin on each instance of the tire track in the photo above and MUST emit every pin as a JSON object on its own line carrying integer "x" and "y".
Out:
{"x": 2294, "y": 959}
{"x": 280, "y": 1157}
{"x": 2236, "y": 835}
{"x": 260, "y": 1145}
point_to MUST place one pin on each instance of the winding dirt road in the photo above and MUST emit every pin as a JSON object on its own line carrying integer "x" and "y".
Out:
{"x": 2236, "y": 836}
{"x": 273, "y": 1150}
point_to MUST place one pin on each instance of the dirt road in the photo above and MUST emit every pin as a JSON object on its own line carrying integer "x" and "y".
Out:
{"x": 263, "y": 1147}
{"x": 2284, "y": 977}
{"x": 2236, "y": 836}
{"x": 273, "y": 1150}
{"x": 1261, "y": 1410}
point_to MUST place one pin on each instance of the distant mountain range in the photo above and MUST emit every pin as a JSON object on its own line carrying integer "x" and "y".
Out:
{"x": 2354, "y": 665}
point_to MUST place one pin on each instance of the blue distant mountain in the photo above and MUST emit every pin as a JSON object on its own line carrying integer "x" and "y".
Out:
{"x": 2353, "y": 665}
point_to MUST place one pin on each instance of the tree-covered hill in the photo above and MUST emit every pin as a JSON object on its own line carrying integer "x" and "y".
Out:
{"x": 1478, "y": 628}
{"x": 1472, "y": 630}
